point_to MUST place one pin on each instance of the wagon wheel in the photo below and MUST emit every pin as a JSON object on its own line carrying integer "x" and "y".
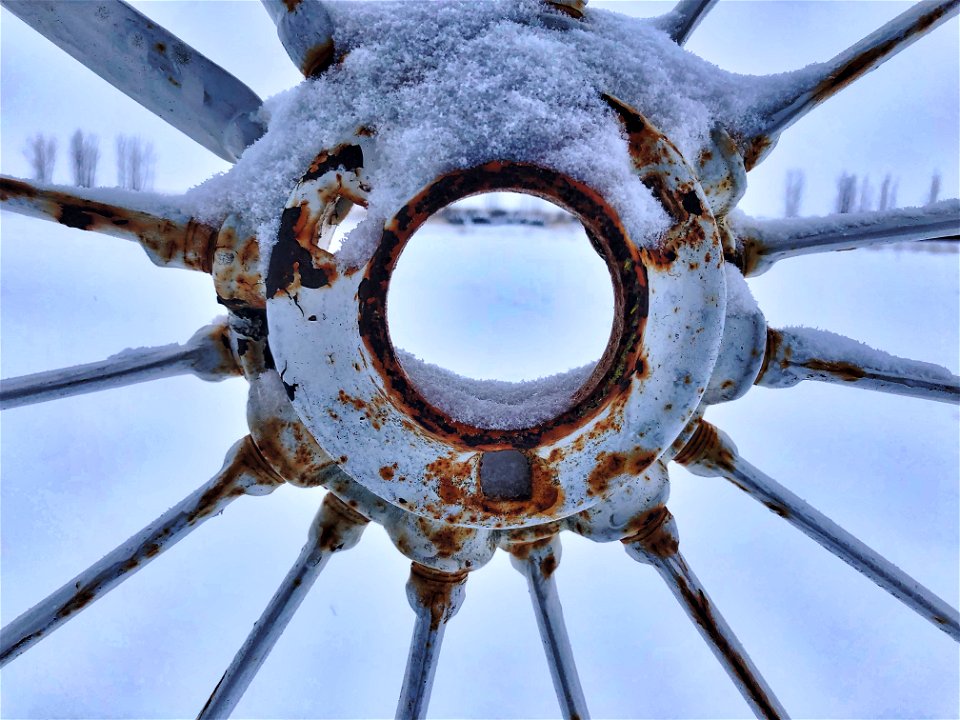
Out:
{"x": 685, "y": 338}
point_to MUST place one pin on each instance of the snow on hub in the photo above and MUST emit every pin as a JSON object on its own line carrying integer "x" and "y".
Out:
{"x": 331, "y": 344}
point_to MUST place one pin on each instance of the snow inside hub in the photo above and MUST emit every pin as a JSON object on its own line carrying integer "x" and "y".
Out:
{"x": 331, "y": 345}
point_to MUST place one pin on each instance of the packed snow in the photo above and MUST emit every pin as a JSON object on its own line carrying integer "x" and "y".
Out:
{"x": 453, "y": 85}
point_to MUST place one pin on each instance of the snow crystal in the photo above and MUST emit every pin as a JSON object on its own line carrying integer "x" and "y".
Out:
{"x": 452, "y": 85}
{"x": 813, "y": 343}
{"x": 495, "y": 404}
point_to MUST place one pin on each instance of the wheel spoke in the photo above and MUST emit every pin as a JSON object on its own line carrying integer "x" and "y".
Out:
{"x": 814, "y": 85}
{"x": 153, "y": 67}
{"x": 169, "y": 239}
{"x": 435, "y": 597}
{"x": 207, "y": 355}
{"x": 336, "y": 527}
{"x": 537, "y": 561}
{"x": 680, "y": 22}
{"x": 243, "y": 472}
{"x": 799, "y": 354}
{"x": 711, "y": 453}
{"x": 761, "y": 243}
{"x": 658, "y": 546}
{"x": 306, "y": 31}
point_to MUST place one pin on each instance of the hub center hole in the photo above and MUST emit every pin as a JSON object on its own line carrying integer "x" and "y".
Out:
{"x": 499, "y": 309}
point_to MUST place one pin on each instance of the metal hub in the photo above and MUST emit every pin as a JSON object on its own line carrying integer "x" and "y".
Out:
{"x": 330, "y": 340}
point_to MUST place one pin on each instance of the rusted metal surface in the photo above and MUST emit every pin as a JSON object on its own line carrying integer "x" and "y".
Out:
{"x": 153, "y": 67}
{"x": 658, "y": 545}
{"x": 306, "y": 32}
{"x": 680, "y": 22}
{"x": 844, "y": 69}
{"x": 790, "y": 357}
{"x": 721, "y": 173}
{"x": 435, "y": 598}
{"x": 207, "y": 354}
{"x": 244, "y": 473}
{"x": 364, "y": 386}
{"x": 573, "y": 8}
{"x": 336, "y": 527}
{"x": 711, "y": 453}
{"x": 236, "y": 266}
{"x": 761, "y": 243}
{"x": 537, "y": 561}
{"x": 174, "y": 241}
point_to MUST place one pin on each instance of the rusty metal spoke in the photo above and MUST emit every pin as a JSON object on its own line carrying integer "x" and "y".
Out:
{"x": 711, "y": 453}
{"x": 435, "y": 597}
{"x": 207, "y": 355}
{"x": 659, "y": 546}
{"x": 836, "y": 74}
{"x": 336, "y": 527}
{"x": 152, "y": 66}
{"x": 680, "y": 22}
{"x": 537, "y": 561}
{"x": 170, "y": 240}
{"x": 306, "y": 31}
{"x": 761, "y": 243}
{"x": 797, "y": 354}
{"x": 243, "y": 472}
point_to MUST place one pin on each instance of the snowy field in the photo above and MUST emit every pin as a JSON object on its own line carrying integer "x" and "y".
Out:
{"x": 82, "y": 474}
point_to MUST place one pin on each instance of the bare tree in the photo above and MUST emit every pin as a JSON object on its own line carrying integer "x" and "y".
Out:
{"x": 793, "y": 194}
{"x": 888, "y": 194}
{"x": 934, "y": 188}
{"x": 41, "y": 152}
{"x": 84, "y": 156}
{"x": 135, "y": 163}
{"x": 846, "y": 200}
{"x": 866, "y": 195}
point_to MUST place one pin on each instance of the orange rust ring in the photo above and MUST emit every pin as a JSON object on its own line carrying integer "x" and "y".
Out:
{"x": 622, "y": 358}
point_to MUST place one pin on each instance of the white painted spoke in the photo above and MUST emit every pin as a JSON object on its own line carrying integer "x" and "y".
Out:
{"x": 537, "y": 561}
{"x": 435, "y": 597}
{"x": 153, "y": 67}
{"x": 207, "y": 355}
{"x": 711, "y": 453}
{"x": 243, "y": 472}
{"x": 680, "y": 22}
{"x": 797, "y": 354}
{"x": 336, "y": 527}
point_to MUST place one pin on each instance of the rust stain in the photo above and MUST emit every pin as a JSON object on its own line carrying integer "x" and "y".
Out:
{"x": 622, "y": 358}
{"x": 167, "y": 242}
{"x": 699, "y": 607}
{"x": 317, "y": 59}
{"x": 434, "y": 591}
{"x": 846, "y": 371}
{"x": 386, "y": 472}
{"x": 705, "y": 444}
{"x": 774, "y": 342}
{"x": 613, "y": 465}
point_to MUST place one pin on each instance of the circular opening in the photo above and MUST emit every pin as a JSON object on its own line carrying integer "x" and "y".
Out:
{"x": 498, "y": 414}
{"x": 504, "y": 288}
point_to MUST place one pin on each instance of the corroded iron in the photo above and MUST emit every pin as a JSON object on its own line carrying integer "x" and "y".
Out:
{"x": 331, "y": 406}
{"x": 711, "y": 453}
{"x": 761, "y": 243}
{"x": 537, "y": 561}
{"x": 577, "y": 458}
{"x": 336, "y": 527}
{"x": 794, "y": 355}
{"x": 244, "y": 473}
{"x": 658, "y": 545}
{"x": 844, "y": 69}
